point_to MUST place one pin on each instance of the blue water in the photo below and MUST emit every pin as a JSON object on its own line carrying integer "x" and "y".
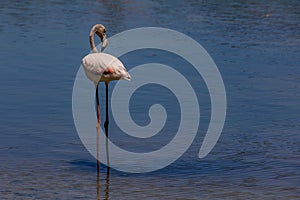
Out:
{"x": 255, "y": 45}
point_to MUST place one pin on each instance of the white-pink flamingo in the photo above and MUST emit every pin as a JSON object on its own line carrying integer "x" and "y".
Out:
{"x": 102, "y": 67}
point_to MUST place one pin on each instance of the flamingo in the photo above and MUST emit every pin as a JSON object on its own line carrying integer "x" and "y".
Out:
{"x": 102, "y": 67}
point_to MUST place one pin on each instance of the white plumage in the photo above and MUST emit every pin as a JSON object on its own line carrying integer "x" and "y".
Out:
{"x": 103, "y": 67}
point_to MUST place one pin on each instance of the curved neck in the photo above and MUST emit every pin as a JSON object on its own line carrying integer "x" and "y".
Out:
{"x": 98, "y": 29}
{"x": 92, "y": 41}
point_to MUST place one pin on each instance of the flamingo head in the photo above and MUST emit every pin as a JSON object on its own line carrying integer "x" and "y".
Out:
{"x": 101, "y": 32}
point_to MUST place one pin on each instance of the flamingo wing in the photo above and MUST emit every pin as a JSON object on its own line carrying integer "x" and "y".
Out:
{"x": 96, "y": 63}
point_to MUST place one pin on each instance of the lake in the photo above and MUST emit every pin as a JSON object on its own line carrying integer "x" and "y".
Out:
{"x": 255, "y": 45}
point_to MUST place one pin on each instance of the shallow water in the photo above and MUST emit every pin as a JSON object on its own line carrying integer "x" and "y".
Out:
{"x": 256, "y": 48}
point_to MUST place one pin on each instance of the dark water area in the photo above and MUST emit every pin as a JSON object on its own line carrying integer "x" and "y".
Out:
{"x": 255, "y": 45}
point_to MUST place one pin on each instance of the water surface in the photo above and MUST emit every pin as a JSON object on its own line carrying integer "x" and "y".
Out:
{"x": 255, "y": 45}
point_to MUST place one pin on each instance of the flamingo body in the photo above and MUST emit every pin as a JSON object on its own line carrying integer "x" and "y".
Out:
{"x": 103, "y": 67}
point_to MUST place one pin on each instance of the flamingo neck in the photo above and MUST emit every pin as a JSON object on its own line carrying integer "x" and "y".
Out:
{"x": 92, "y": 41}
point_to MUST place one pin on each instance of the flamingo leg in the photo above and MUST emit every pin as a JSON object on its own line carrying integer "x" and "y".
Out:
{"x": 98, "y": 142}
{"x": 106, "y": 125}
{"x": 107, "y": 120}
{"x": 98, "y": 107}
{"x": 98, "y": 163}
